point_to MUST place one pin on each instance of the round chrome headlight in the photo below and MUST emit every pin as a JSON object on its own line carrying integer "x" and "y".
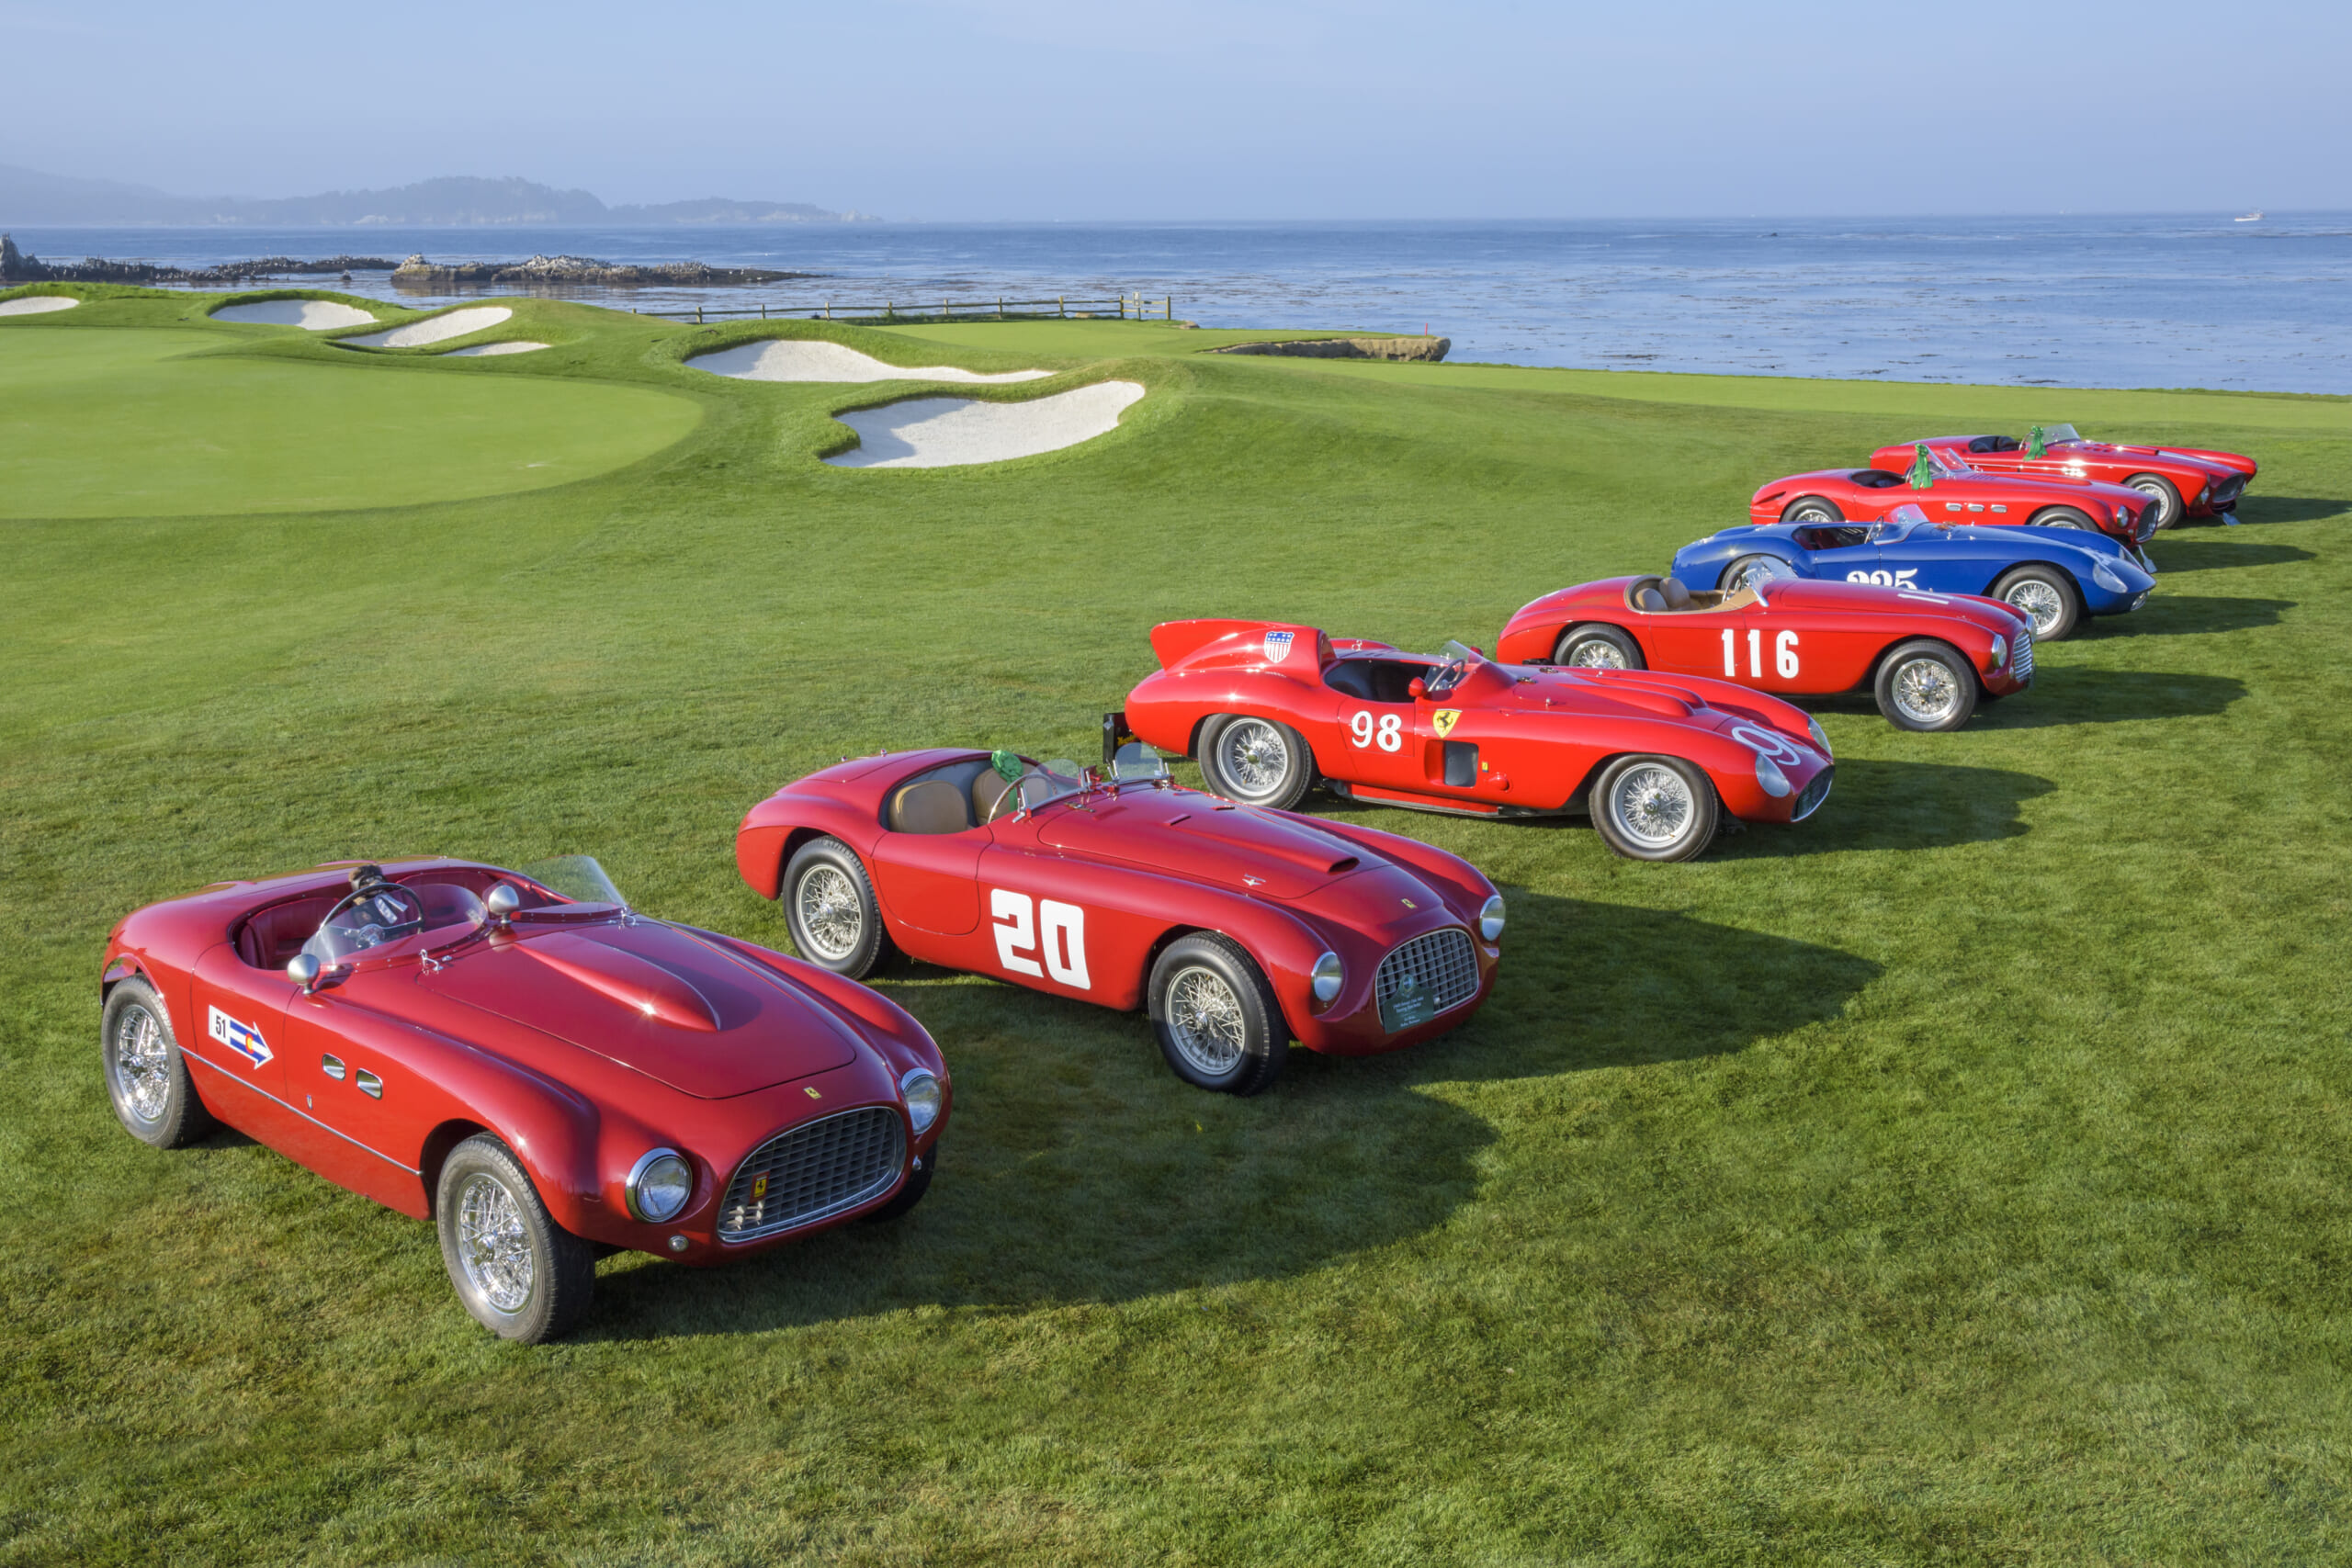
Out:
{"x": 2104, "y": 575}
{"x": 1820, "y": 736}
{"x": 659, "y": 1186}
{"x": 2000, "y": 651}
{"x": 1490, "y": 918}
{"x": 1769, "y": 774}
{"x": 924, "y": 1099}
{"x": 1330, "y": 975}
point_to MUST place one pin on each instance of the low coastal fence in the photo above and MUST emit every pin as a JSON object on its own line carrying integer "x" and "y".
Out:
{"x": 1129, "y": 307}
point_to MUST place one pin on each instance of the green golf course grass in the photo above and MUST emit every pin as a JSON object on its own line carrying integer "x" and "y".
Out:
{"x": 1959, "y": 1176}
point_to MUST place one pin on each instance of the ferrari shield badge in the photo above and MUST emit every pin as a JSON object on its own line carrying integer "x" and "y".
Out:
{"x": 242, "y": 1038}
{"x": 1444, "y": 719}
{"x": 759, "y": 1187}
{"x": 1278, "y": 646}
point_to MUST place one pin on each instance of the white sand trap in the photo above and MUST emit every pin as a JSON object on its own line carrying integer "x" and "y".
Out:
{"x": 940, "y": 432}
{"x": 483, "y": 350}
{"x": 311, "y": 315}
{"x": 801, "y": 359}
{"x": 37, "y": 304}
{"x": 435, "y": 329}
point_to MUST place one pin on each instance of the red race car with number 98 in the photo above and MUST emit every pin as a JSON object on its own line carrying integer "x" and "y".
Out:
{"x": 1657, "y": 760}
{"x": 1236, "y": 929}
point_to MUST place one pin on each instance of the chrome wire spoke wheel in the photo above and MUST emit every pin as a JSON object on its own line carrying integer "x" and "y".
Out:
{"x": 1205, "y": 1018}
{"x": 1926, "y": 691}
{"x": 143, "y": 1064}
{"x": 2160, "y": 501}
{"x": 1652, "y": 805}
{"x": 2039, "y": 601}
{"x": 1255, "y": 759}
{"x": 494, "y": 1245}
{"x": 1597, "y": 653}
{"x": 830, "y": 912}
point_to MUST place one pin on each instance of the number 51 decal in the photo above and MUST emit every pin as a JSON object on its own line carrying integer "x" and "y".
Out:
{"x": 1063, "y": 926}
{"x": 1784, "y": 654}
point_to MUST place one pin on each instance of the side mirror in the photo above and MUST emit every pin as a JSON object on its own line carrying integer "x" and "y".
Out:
{"x": 303, "y": 970}
{"x": 1417, "y": 688}
{"x": 502, "y": 902}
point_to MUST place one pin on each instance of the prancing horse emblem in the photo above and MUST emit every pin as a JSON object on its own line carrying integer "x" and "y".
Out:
{"x": 1443, "y": 721}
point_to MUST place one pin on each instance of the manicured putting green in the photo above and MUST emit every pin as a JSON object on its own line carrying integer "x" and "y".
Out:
{"x": 138, "y": 423}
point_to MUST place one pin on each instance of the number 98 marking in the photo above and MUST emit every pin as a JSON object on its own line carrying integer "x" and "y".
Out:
{"x": 1388, "y": 732}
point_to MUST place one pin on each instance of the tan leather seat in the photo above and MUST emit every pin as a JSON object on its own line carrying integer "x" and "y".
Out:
{"x": 934, "y": 805}
{"x": 1649, "y": 599}
{"x": 988, "y": 786}
{"x": 1676, "y": 596}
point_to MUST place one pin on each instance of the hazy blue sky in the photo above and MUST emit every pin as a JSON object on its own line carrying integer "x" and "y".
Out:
{"x": 1212, "y": 109}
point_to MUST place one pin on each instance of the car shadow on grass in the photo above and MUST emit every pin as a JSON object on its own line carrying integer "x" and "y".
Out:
{"x": 2259, "y": 509}
{"x": 2173, "y": 615}
{"x": 2079, "y": 695}
{"x": 1078, "y": 1169}
{"x": 2173, "y": 556}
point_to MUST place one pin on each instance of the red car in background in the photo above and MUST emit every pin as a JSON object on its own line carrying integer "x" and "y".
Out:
{"x": 2183, "y": 481}
{"x": 1236, "y": 929}
{"x": 1956, "y": 493}
{"x": 526, "y": 1061}
{"x": 1927, "y": 657}
{"x": 1657, "y": 760}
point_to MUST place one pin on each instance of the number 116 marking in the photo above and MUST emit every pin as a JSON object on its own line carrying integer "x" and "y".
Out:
{"x": 1784, "y": 654}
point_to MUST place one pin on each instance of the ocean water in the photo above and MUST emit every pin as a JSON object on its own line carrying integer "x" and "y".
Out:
{"x": 2096, "y": 302}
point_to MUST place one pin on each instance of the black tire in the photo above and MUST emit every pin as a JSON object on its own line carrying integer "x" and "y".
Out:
{"x": 1596, "y": 647}
{"x": 829, "y": 903}
{"x": 1258, "y": 761}
{"x": 147, "y": 1078}
{"x": 2165, "y": 493}
{"x": 2064, "y": 517}
{"x": 1651, "y": 807}
{"x": 1768, "y": 567}
{"x": 1926, "y": 685}
{"x": 918, "y": 1183}
{"x": 2035, "y": 592}
{"x": 1216, "y": 1019}
{"x": 551, "y": 1276}
{"x": 1812, "y": 509}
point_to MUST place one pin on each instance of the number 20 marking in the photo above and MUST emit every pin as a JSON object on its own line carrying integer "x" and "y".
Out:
{"x": 1063, "y": 926}
{"x": 1784, "y": 654}
{"x": 1388, "y": 733}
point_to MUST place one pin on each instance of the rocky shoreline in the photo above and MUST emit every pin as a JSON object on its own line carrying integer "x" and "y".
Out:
{"x": 573, "y": 270}
{"x": 17, "y": 268}
{"x": 415, "y": 272}
{"x": 1410, "y": 348}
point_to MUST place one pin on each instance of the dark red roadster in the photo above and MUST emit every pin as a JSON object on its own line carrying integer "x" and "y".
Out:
{"x": 1958, "y": 492}
{"x": 1655, "y": 760}
{"x": 524, "y": 1060}
{"x": 1238, "y": 930}
{"x": 1927, "y": 657}
{"x": 2181, "y": 481}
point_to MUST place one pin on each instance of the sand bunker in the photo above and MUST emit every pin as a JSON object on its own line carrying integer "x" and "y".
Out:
{"x": 939, "y": 433}
{"x": 37, "y": 304}
{"x": 481, "y": 350}
{"x": 799, "y": 359}
{"x": 311, "y": 315}
{"x": 435, "y": 329}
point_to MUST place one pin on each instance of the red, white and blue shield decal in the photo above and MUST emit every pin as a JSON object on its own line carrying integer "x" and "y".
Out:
{"x": 1278, "y": 646}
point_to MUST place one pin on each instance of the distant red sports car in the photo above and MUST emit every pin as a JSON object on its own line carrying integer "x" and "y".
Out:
{"x": 1928, "y": 657}
{"x": 2183, "y": 481}
{"x": 1238, "y": 930}
{"x": 1655, "y": 760}
{"x": 526, "y": 1061}
{"x": 1957, "y": 493}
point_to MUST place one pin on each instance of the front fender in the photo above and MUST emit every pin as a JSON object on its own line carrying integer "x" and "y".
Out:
{"x": 775, "y": 828}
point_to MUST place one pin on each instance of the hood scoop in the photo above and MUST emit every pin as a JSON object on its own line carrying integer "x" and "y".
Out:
{"x": 638, "y": 983}
{"x": 1192, "y": 836}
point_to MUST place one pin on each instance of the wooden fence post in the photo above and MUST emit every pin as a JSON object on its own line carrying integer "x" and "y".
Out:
{"x": 1061, "y": 305}
{"x": 697, "y": 315}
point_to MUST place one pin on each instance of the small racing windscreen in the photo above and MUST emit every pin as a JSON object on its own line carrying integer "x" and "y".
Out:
{"x": 1138, "y": 761}
{"x": 2052, "y": 435}
{"x": 379, "y": 913}
{"x": 576, "y": 877}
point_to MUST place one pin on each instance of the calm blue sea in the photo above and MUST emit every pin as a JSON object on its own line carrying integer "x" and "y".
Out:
{"x": 2105, "y": 302}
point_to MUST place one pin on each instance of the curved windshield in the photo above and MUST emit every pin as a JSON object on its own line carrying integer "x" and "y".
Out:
{"x": 576, "y": 877}
{"x": 1460, "y": 658}
{"x": 2051, "y": 434}
{"x": 387, "y": 912}
{"x": 1041, "y": 786}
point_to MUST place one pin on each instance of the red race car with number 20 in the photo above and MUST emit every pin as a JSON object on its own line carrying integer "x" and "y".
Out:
{"x": 1238, "y": 930}
{"x": 526, "y": 1061}
{"x": 1655, "y": 760}
{"x": 1957, "y": 493}
{"x": 1927, "y": 657}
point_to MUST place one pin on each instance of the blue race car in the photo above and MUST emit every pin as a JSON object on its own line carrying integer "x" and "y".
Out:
{"x": 2053, "y": 575}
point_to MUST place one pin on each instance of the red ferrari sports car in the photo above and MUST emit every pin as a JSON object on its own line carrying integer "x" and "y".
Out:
{"x": 1238, "y": 930}
{"x": 1958, "y": 492}
{"x": 1654, "y": 760}
{"x": 2183, "y": 481}
{"x": 1928, "y": 657}
{"x": 524, "y": 1060}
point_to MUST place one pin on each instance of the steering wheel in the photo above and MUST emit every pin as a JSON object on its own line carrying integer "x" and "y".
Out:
{"x": 371, "y": 934}
{"x": 1448, "y": 677}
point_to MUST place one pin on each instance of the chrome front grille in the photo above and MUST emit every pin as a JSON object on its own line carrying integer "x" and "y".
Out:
{"x": 1443, "y": 963}
{"x": 1815, "y": 794}
{"x": 814, "y": 1172}
{"x": 2021, "y": 661}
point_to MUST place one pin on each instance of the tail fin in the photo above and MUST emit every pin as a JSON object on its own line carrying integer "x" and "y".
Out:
{"x": 1238, "y": 642}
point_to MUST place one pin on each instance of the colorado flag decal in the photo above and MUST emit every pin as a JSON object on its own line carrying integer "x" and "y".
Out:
{"x": 242, "y": 1038}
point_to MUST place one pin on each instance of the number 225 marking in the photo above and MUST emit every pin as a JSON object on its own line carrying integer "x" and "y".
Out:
{"x": 1063, "y": 926}
{"x": 1784, "y": 654}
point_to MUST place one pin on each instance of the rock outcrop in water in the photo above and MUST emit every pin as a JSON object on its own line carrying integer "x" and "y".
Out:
{"x": 17, "y": 268}
{"x": 572, "y": 271}
{"x": 1422, "y": 348}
